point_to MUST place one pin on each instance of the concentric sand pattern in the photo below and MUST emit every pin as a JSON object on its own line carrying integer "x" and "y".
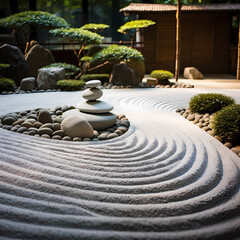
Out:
{"x": 164, "y": 179}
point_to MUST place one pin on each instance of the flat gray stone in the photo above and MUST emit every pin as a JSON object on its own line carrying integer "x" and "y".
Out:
{"x": 93, "y": 83}
{"x": 97, "y": 121}
{"x": 92, "y": 93}
{"x": 95, "y": 107}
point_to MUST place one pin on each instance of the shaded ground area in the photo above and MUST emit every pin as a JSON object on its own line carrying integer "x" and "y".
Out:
{"x": 164, "y": 179}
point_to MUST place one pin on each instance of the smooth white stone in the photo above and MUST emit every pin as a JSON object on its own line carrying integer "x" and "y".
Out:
{"x": 77, "y": 126}
{"x": 92, "y": 93}
{"x": 94, "y": 107}
{"x": 97, "y": 121}
{"x": 93, "y": 83}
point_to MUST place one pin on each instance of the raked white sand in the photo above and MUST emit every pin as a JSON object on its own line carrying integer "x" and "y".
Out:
{"x": 164, "y": 179}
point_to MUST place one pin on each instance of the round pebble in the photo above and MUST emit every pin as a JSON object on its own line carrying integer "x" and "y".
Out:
{"x": 123, "y": 129}
{"x": 112, "y": 135}
{"x": 47, "y": 125}
{"x": 59, "y": 132}
{"x": 103, "y": 136}
{"x": 26, "y": 124}
{"x": 8, "y": 120}
{"x": 219, "y": 139}
{"x": 66, "y": 138}
{"x": 119, "y": 132}
{"x": 95, "y": 139}
{"x": 64, "y": 108}
{"x": 18, "y": 122}
{"x": 56, "y": 126}
{"x": 37, "y": 124}
{"x": 95, "y": 133}
{"x": 43, "y": 131}
{"x": 86, "y": 139}
{"x": 57, "y": 137}
{"x": 77, "y": 139}
{"x": 228, "y": 145}
{"x": 22, "y": 129}
{"x": 45, "y": 136}
{"x": 44, "y": 117}
{"x": 235, "y": 150}
{"x": 14, "y": 129}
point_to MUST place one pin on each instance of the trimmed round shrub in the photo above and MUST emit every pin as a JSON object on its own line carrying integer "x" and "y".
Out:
{"x": 226, "y": 123}
{"x": 6, "y": 84}
{"x": 162, "y": 76}
{"x": 101, "y": 77}
{"x": 209, "y": 102}
{"x": 70, "y": 85}
{"x": 70, "y": 69}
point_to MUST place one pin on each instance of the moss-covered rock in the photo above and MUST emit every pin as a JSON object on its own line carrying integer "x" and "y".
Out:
{"x": 209, "y": 102}
{"x": 226, "y": 123}
{"x": 6, "y": 84}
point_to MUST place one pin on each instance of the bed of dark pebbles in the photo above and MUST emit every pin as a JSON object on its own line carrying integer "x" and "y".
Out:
{"x": 204, "y": 122}
{"x": 106, "y": 86}
{"x": 28, "y": 122}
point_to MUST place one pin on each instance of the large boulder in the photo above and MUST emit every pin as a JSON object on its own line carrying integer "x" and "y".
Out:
{"x": 192, "y": 73}
{"x": 47, "y": 77}
{"x": 28, "y": 84}
{"x": 77, "y": 126}
{"x": 124, "y": 75}
{"x": 38, "y": 57}
{"x": 18, "y": 66}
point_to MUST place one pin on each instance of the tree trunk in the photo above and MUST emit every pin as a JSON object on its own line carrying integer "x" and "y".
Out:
{"x": 178, "y": 39}
{"x": 238, "y": 59}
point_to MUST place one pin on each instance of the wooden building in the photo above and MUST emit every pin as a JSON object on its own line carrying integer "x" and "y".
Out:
{"x": 208, "y": 37}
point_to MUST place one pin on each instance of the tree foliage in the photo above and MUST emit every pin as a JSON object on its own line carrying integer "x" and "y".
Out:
{"x": 77, "y": 34}
{"x": 136, "y": 24}
{"x": 117, "y": 53}
{"x": 95, "y": 27}
{"x": 33, "y": 18}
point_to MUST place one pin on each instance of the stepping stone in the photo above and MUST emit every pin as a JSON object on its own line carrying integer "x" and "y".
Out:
{"x": 92, "y": 93}
{"x": 95, "y": 107}
{"x": 97, "y": 121}
{"x": 93, "y": 83}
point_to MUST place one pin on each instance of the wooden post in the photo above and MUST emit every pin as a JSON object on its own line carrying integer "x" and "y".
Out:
{"x": 178, "y": 39}
{"x": 238, "y": 59}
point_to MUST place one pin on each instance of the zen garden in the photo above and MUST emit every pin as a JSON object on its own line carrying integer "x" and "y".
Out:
{"x": 128, "y": 130}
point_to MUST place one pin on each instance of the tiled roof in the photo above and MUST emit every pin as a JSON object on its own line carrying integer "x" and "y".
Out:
{"x": 141, "y": 7}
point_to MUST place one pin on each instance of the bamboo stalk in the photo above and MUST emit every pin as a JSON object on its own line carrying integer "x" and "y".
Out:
{"x": 238, "y": 59}
{"x": 178, "y": 39}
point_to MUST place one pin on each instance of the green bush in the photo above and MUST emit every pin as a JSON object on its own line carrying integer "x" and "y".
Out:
{"x": 161, "y": 74}
{"x": 226, "y": 123}
{"x": 101, "y": 77}
{"x": 70, "y": 69}
{"x": 4, "y": 65}
{"x": 209, "y": 102}
{"x": 70, "y": 85}
{"x": 6, "y": 84}
{"x": 117, "y": 53}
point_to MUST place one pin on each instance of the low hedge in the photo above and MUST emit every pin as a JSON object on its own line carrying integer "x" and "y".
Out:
{"x": 162, "y": 76}
{"x": 209, "y": 102}
{"x": 101, "y": 77}
{"x": 70, "y": 85}
{"x": 7, "y": 84}
{"x": 226, "y": 123}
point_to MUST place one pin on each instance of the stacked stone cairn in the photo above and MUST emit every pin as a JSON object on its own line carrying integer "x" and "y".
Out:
{"x": 90, "y": 121}
{"x": 95, "y": 112}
